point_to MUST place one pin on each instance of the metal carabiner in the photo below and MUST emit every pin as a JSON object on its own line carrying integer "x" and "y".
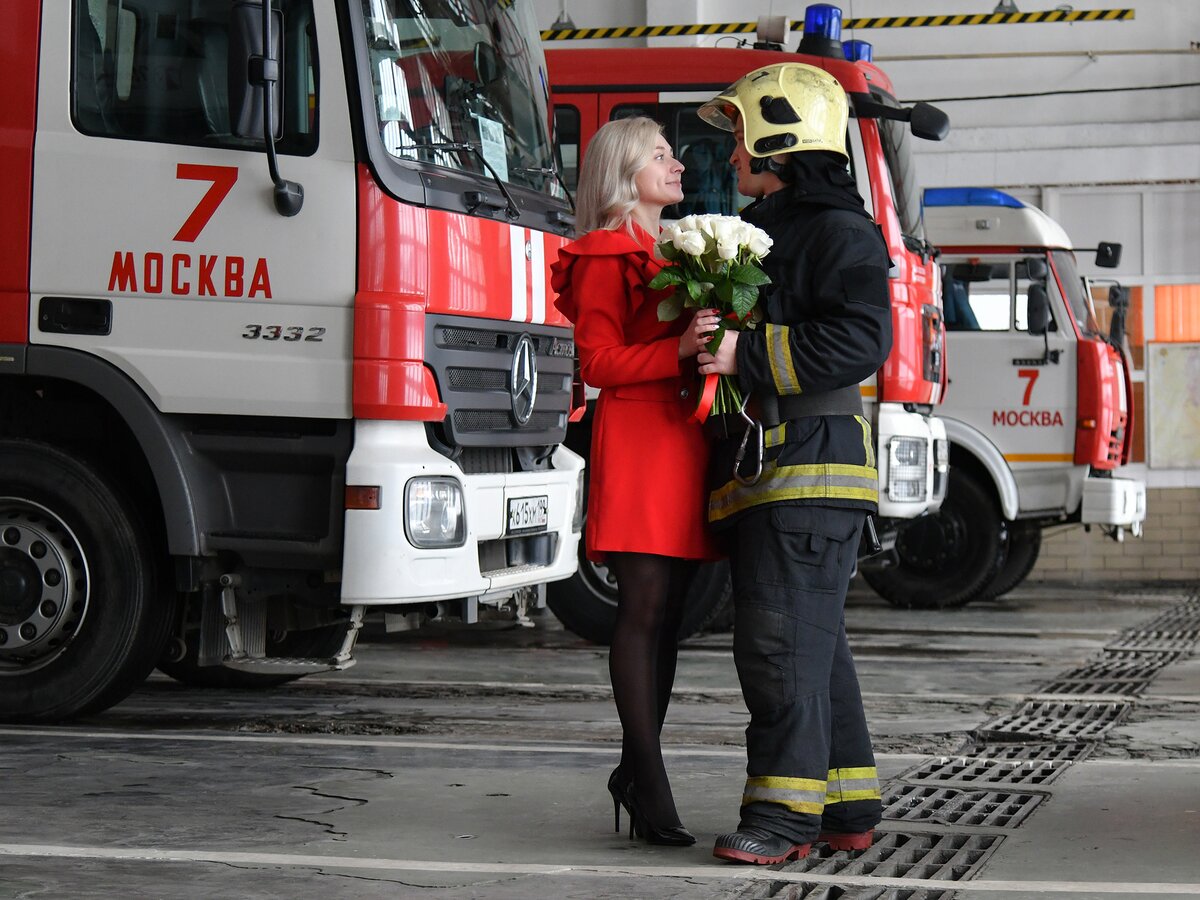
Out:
{"x": 757, "y": 429}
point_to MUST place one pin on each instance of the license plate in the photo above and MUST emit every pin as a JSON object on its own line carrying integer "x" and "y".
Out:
{"x": 528, "y": 514}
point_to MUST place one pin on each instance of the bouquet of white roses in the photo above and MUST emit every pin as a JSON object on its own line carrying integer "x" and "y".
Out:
{"x": 714, "y": 265}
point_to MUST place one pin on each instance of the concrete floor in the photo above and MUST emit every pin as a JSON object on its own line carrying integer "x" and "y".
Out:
{"x": 470, "y": 762}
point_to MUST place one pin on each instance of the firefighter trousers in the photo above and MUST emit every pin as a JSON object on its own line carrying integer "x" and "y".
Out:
{"x": 810, "y": 767}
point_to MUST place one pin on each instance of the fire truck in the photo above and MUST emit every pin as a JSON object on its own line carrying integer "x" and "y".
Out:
{"x": 275, "y": 342}
{"x": 1038, "y": 409}
{"x": 591, "y": 86}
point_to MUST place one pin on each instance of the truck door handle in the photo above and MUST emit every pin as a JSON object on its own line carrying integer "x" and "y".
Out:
{"x": 75, "y": 315}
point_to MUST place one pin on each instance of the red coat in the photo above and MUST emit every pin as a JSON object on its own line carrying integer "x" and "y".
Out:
{"x": 647, "y": 491}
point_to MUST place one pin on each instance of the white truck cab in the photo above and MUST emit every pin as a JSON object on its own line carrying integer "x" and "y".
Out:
{"x": 1038, "y": 405}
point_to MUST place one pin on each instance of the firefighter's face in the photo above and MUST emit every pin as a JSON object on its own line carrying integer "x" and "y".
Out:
{"x": 658, "y": 181}
{"x": 750, "y": 183}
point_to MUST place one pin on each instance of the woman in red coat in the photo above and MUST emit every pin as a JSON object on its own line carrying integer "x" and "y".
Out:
{"x": 647, "y": 490}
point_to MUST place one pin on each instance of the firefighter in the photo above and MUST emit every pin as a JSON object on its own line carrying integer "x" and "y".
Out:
{"x": 793, "y": 512}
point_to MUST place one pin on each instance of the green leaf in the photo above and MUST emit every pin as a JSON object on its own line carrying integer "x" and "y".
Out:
{"x": 696, "y": 289}
{"x": 750, "y": 274}
{"x": 665, "y": 278}
{"x": 715, "y": 341}
{"x": 744, "y": 298}
{"x": 724, "y": 292}
{"x": 669, "y": 309}
{"x": 668, "y": 252}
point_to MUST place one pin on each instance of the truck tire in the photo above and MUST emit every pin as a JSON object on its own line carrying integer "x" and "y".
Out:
{"x": 586, "y": 603}
{"x": 315, "y": 642}
{"x": 81, "y": 620}
{"x": 946, "y": 559}
{"x": 1021, "y": 555}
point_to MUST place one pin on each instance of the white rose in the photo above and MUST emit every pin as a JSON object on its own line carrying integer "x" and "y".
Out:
{"x": 725, "y": 230}
{"x": 707, "y": 224}
{"x": 687, "y": 223}
{"x": 691, "y": 242}
{"x": 727, "y": 250}
{"x": 760, "y": 242}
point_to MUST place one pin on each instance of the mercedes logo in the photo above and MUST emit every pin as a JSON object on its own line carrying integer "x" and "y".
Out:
{"x": 523, "y": 384}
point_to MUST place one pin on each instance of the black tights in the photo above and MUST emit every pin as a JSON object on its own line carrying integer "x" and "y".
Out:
{"x": 641, "y": 664}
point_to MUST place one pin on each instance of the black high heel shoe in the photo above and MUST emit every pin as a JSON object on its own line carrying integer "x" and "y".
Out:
{"x": 617, "y": 786}
{"x": 669, "y": 836}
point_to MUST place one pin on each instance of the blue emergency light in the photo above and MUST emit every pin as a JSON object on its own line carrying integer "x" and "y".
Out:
{"x": 857, "y": 51}
{"x": 822, "y": 31}
{"x": 970, "y": 197}
{"x": 823, "y": 20}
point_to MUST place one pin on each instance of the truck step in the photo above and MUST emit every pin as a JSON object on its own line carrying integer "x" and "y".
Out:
{"x": 282, "y": 665}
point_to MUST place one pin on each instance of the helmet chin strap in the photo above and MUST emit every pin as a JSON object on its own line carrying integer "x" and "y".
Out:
{"x": 768, "y": 164}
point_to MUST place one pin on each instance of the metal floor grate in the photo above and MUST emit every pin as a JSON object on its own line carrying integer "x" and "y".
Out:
{"x": 833, "y": 892}
{"x": 953, "y": 806}
{"x": 1156, "y": 658}
{"x": 1180, "y": 640}
{"x": 1185, "y": 615}
{"x": 950, "y": 857}
{"x": 1049, "y": 719}
{"x": 1132, "y": 668}
{"x": 992, "y": 770}
{"x": 1089, "y": 686}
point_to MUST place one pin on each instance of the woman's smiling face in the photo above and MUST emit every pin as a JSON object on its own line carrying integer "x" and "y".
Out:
{"x": 658, "y": 182}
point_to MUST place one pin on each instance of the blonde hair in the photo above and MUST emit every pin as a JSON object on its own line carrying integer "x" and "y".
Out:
{"x": 607, "y": 193}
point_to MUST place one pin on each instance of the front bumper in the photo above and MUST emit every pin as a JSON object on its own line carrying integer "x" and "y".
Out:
{"x": 1114, "y": 501}
{"x": 381, "y": 568}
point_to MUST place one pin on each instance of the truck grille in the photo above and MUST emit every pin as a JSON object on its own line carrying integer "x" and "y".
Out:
{"x": 472, "y": 360}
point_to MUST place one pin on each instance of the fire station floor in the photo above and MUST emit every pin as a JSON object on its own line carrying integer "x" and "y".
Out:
{"x": 1043, "y": 745}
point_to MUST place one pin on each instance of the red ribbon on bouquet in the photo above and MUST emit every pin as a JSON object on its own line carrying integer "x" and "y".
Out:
{"x": 708, "y": 395}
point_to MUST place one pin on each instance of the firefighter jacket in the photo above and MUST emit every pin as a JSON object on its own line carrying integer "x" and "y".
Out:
{"x": 828, "y": 326}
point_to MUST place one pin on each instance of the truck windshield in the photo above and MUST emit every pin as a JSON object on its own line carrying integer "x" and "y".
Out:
{"x": 462, "y": 72}
{"x": 1079, "y": 301}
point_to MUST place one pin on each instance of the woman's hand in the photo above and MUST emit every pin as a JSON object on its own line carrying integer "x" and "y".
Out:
{"x": 698, "y": 333}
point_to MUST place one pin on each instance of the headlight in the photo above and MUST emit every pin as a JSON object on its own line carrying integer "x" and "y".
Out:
{"x": 577, "y": 519}
{"x": 433, "y": 513}
{"x": 906, "y": 469}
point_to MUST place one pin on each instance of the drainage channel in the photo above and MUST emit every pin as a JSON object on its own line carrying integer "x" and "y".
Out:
{"x": 947, "y": 815}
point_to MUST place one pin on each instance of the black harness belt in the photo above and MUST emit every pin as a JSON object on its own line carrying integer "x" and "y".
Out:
{"x": 774, "y": 409}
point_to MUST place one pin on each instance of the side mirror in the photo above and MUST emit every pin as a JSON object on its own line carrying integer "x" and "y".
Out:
{"x": 246, "y": 69}
{"x": 1108, "y": 256}
{"x": 1035, "y": 268}
{"x": 1037, "y": 309}
{"x": 929, "y": 122}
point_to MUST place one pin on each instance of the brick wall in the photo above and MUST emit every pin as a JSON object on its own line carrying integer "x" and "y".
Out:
{"x": 1169, "y": 550}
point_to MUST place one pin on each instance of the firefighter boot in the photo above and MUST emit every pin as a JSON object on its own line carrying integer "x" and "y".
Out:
{"x": 757, "y": 846}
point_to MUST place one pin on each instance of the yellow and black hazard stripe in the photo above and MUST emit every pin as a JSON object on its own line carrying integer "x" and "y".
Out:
{"x": 938, "y": 21}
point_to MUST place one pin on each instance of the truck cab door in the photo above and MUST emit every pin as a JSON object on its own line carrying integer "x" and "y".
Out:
{"x": 156, "y": 244}
{"x": 1015, "y": 388}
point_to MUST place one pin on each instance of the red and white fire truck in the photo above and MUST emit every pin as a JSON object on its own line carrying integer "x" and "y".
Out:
{"x": 591, "y": 86}
{"x": 1038, "y": 409}
{"x": 275, "y": 341}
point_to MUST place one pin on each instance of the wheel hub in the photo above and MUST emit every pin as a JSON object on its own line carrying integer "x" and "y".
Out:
{"x": 932, "y": 541}
{"x": 43, "y": 584}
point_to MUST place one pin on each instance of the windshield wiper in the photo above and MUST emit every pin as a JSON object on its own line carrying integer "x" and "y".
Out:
{"x": 476, "y": 199}
{"x": 555, "y": 174}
